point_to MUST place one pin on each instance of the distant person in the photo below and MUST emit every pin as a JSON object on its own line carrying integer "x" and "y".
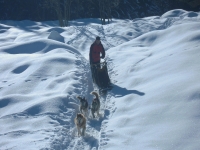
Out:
{"x": 96, "y": 52}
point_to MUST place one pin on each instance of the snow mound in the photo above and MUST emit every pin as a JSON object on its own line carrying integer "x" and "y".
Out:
{"x": 173, "y": 13}
{"x": 153, "y": 64}
{"x": 54, "y": 35}
{"x": 190, "y": 14}
{"x": 37, "y": 46}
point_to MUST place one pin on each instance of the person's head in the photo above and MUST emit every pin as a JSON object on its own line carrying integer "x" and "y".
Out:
{"x": 97, "y": 40}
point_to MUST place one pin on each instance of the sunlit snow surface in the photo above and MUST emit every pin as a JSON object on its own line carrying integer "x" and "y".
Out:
{"x": 154, "y": 65}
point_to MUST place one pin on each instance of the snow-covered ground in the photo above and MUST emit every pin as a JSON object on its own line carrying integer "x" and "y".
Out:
{"x": 154, "y": 65}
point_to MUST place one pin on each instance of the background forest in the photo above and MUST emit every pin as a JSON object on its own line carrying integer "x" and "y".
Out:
{"x": 65, "y": 10}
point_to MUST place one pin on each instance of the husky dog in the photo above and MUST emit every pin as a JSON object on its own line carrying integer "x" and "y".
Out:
{"x": 83, "y": 106}
{"x": 95, "y": 104}
{"x": 80, "y": 122}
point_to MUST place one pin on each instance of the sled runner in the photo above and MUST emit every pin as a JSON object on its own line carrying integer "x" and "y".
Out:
{"x": 100, "y": 76}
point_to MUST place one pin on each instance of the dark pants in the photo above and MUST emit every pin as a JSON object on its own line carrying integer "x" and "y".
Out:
{"x": 95, "y": 66}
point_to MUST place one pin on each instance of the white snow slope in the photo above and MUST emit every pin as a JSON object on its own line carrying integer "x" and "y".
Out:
{"x": 154, "y": 65}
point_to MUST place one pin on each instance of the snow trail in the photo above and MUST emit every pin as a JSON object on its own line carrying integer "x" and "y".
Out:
{"x": 153, "y": 63}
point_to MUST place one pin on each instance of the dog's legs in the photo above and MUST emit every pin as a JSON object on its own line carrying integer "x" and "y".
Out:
{"x": 83, "y": 131}
{"x": 79, "y": 131}
{"x": 80, "y": 109}
{"x": 93, "y": 114}
{"x": 86, "y": 113}
{"x": 98, "y": 113}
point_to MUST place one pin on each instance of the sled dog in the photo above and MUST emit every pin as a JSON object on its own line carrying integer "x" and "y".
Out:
{"x": 83, "y": 105}
{"x": 95, "y": 104}
{"x": 80, "y": 122}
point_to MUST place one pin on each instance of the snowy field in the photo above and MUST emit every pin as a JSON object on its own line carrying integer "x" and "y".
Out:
{"x": 154, "y": 66}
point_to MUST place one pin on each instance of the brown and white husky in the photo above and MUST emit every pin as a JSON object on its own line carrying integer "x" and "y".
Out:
{"x": 80, "y": 122}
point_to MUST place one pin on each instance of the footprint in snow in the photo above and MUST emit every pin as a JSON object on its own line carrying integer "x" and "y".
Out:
{"x": 43, "y": 79}
{"x": 27, "y": 80}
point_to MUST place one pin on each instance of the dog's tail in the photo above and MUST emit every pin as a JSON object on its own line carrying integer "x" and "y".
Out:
{"x": 95, "y": 93}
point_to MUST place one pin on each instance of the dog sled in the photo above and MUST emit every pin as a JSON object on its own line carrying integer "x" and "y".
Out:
{"x": 100, "y": 76}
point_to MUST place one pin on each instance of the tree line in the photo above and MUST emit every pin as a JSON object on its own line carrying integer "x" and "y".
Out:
{"x": 65, "y": 10}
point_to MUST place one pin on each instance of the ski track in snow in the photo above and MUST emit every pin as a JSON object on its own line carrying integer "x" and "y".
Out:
{"x": 95, "y": 135}
{"x": 63, "y": 135}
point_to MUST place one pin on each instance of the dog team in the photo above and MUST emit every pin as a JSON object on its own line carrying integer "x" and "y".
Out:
{"x": 80, "y": 119}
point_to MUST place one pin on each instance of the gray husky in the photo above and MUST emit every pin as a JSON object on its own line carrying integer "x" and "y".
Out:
{"x": 83, "y": 105}
{"x": 95, "y": 104}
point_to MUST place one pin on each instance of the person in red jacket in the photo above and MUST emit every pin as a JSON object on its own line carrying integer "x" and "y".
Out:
{"x": 96, "y": 51}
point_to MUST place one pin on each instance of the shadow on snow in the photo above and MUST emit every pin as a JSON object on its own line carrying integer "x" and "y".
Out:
{"x": 120, "y": 92}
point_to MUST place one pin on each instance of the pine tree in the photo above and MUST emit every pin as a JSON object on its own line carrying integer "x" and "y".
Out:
{"x": 192, "y": 3}
{"x": 62, "y": 9}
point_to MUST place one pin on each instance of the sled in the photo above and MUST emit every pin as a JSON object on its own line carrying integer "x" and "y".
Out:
{"x": 100, "y": 75}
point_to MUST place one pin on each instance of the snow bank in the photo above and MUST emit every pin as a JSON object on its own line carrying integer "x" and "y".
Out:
{"x": 154, "y": 67}
{"x": 54, "y": 35}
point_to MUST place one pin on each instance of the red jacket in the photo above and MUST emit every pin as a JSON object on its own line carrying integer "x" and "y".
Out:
{"x": 95, "y": 50}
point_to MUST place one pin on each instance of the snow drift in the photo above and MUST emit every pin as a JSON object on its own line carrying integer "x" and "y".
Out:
{"x": 153, "y": 65}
